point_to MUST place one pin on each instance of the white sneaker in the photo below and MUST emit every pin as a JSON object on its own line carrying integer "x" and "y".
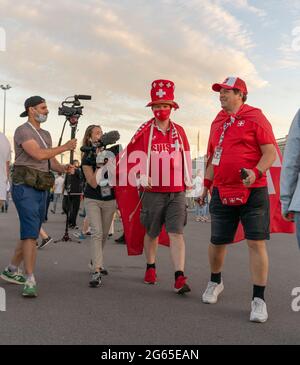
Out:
{"x": 258, "y": 311}
{"x": 210, "y": 296}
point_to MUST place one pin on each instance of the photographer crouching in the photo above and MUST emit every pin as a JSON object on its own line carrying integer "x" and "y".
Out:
{"x": 31, "y": 179}
{"x": 99, "y": 197}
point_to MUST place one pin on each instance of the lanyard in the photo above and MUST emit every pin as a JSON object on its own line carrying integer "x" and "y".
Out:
{"x": 43, "y": 141}
{"x": 225, "y": 127}
{"x": 41, "y": 138}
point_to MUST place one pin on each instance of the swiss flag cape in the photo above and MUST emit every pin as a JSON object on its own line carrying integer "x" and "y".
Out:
{"x": 128, "y": 198}
{"x": 277, "y": 223}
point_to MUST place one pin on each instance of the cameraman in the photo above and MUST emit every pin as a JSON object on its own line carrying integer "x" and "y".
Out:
{"x": 34, "y": 156}
{"x": 71, "y": 200}
{"x": 100, "y": 203}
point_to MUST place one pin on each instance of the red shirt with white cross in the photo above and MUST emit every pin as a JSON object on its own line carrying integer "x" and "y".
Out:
{"x": 240, "y": 149}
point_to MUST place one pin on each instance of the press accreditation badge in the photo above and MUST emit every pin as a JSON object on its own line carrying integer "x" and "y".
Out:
{"x": 217, "y": 156}
{"x": 105, "y": 191}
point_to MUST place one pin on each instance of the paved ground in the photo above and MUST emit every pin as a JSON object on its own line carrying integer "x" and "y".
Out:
{"x": 126, "y": 311}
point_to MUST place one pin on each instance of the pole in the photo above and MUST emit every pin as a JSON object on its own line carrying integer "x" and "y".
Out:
{"x": 4, "y": 88}
{"x": 4, "y": 111}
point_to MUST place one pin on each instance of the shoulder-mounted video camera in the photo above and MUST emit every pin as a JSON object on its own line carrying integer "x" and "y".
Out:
{"x": 109, "y": 138}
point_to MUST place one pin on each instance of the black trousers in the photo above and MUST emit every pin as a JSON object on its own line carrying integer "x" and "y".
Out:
{"x": 72, "y": 208}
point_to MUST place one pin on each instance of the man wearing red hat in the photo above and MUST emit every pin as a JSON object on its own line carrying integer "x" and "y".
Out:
{"x": 163, "y": 182}
{"x": 241, "y": 150}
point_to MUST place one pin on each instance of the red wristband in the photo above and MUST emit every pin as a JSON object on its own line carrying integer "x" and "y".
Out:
{"x": 207, "y": 183}
{"x": 257, "y": 172}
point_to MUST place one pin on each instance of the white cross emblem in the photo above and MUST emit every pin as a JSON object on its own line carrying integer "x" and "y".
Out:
{"x": 161, "y": 84}
{"x": 160, "y": 93}
{"x": 176, "y": 145}
{"x": 241, "y": 123}
{"x": 168, "y": 84}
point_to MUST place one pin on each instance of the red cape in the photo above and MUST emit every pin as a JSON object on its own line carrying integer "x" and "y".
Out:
{"x": 127, "y": 197}
{"x": 277, "y": 223}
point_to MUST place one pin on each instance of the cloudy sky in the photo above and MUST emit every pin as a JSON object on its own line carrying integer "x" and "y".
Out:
{"x": 114, "y": 49}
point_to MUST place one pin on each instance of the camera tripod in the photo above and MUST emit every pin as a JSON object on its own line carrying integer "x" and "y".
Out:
{"x": 72, "y": 114}
{"x": 66, "y": 237}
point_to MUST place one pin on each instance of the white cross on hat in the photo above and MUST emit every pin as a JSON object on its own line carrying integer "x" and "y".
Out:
{"x": 160, "y": 93}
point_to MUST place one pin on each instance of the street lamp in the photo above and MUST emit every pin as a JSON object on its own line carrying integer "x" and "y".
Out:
{"x": 4, "y": 88}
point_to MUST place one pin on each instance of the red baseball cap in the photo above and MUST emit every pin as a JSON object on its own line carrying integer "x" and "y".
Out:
{"x": 162, "y": 92}
{"x": 231, "y": 83}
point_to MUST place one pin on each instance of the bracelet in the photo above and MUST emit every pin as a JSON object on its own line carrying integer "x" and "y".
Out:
{"x": 207, "y": 183}
{"x": 257, "y": 172}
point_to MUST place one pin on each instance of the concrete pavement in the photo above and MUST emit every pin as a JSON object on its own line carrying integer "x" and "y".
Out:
{"x": 126, "y": 311}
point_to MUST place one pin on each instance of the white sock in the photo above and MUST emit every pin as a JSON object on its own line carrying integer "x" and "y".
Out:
{"x": 30, "y": 278}
{"x": 12, "y": 268}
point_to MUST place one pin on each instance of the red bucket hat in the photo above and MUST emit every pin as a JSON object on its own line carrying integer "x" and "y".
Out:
{"x": 231, "y": 83}
{"x": 162, "y": 92}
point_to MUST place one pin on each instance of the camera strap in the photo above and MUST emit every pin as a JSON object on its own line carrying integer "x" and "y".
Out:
{"x": 43, "y": 141}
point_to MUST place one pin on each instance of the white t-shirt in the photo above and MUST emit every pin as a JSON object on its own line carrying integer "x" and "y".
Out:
{"x": 198, "y": 186}
{"x": 58, "y": 185}
{"x": 5, "y": 156}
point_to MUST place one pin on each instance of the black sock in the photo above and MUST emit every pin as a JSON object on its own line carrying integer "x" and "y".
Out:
{"x": 150, "y": 266}
{"x": 215, "y": 278}
{"x": 259, "y": 292}
{"x": 178, "y": 273}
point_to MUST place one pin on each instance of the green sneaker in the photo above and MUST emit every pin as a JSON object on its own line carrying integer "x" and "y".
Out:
{"x": 29, "y": 289}
{"x": 13, "y": 277}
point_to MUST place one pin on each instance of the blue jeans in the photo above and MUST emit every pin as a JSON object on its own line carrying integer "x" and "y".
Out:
{"x": 31, "y": 207}
{"x": 297, "y": 222}
{"x": 201, "y": 211}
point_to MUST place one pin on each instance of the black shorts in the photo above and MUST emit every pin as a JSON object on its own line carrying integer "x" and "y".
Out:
{"x": 254, "y": 216}
{"x": 163, "y": 208}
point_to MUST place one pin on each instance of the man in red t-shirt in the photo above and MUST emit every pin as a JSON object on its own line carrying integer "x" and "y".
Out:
{"x": 241, "y": 149}
{"x": 163, "y": 198}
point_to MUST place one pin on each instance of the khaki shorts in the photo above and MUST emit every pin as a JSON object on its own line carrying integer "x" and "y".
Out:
{"x": 163, "y": 208}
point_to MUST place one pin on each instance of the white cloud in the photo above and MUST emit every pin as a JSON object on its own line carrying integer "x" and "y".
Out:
{"x": 244, "y": 4}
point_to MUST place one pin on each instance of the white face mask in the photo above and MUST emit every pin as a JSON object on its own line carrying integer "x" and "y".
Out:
{"x": 41, "y": 118}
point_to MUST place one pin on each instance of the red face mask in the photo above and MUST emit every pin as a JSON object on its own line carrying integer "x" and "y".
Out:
{"x": 162, "y": 114}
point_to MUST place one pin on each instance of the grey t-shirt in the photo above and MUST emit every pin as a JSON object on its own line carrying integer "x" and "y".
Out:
{"x": 25, "y": 133}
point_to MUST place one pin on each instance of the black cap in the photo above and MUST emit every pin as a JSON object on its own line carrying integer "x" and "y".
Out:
{"x": 30, "y": 102}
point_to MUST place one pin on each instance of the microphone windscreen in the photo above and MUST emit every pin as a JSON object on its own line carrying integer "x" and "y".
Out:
{"x": 110, "y": 138}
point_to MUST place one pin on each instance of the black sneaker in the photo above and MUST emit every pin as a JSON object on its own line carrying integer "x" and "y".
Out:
{"x": 95, "y": 280}
{"x": 121, "y": 239}
{"x": 45, "y": 242}
{"x": 103, "y": 271}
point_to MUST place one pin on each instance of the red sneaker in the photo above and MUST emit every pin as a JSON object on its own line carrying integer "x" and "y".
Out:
{"x": 181, "y": 286}
{"x": 150, "y": 276}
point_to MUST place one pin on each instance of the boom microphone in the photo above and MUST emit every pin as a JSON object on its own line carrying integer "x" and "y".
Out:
{"x": 106, "y": 139}
{"x": 109, "y": 138}
{"x": 83, "y": 97}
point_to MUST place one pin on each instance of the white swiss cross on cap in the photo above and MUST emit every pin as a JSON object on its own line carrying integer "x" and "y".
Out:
{"x": 162, "y": 92}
